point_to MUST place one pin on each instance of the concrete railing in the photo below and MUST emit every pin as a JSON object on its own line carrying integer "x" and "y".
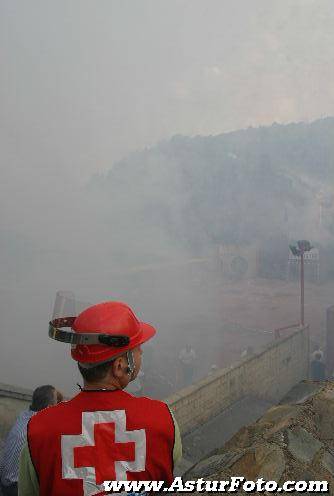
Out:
{"x": 330, "y": 340}
{"x": 12, "y": 401}
{"x": 269, "y": 374}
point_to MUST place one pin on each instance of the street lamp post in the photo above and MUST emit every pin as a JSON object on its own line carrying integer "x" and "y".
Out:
{"x": 298, "y": 251}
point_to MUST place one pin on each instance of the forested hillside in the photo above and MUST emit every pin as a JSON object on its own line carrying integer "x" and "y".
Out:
{"x": 183, "y": 197}
{"x": 240, "y": 187}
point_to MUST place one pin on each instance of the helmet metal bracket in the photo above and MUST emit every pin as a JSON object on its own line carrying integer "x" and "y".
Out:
{"x": 56, "y": 332}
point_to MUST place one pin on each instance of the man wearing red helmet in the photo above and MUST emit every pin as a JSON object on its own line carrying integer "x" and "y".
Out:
{"x": 103, "y": 433}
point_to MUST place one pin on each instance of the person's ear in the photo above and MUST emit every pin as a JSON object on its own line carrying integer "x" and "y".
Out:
{"x": 119, "y": 367}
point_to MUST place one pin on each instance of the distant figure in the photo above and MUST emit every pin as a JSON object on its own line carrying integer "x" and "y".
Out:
{"x": 249, "y": 351}
{"x": 213, "y": 369}
{"x": 42, "y": 397}
{"x": 318, "y": 369}
{"x": 317, "y": 351}
{"x": 187, "y": 358}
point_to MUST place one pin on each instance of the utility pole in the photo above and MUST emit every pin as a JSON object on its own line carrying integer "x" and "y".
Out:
{"x": 302, "y": 292}
{"x": 298, "y": 251}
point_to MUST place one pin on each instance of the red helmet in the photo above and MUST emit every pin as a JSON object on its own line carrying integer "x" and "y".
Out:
{"x": 112, "y": 318}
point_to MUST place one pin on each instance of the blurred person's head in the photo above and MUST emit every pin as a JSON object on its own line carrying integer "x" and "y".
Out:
{"x": 213, "y": 369}
{"x": 45, "y": 396}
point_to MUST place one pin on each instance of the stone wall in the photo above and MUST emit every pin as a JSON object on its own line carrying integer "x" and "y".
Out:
{"x": 269, "y": 374}
{"x": 12, "y": 401}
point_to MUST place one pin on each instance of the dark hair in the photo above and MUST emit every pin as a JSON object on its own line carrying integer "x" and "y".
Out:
{"x": 96, "y": 373}
{"x": 60, "y": 397}
{"x": 42, "y": 397}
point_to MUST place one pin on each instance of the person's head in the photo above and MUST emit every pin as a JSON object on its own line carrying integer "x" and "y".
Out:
{"x": 117, "y": 372}
{"x": 317, "y": 356}
{"x": 110, "y": 363}
{"x": 45, "y": 396}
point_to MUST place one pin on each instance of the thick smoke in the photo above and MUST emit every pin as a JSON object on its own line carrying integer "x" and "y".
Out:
{"x": 84, "y": 85}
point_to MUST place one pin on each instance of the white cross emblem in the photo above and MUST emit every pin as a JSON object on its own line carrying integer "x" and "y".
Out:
{"x": 104, "y": 449}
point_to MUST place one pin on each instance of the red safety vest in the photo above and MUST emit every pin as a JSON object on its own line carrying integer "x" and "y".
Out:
{"x": 100, "y": 436}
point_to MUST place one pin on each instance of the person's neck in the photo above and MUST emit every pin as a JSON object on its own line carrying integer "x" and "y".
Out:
{"x": 101, "y": 386}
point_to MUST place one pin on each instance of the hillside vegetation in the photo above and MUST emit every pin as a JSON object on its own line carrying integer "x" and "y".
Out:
{"x": 241, "y": 187}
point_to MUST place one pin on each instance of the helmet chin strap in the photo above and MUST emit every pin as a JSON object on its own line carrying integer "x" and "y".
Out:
{"x": 131, "y": 363}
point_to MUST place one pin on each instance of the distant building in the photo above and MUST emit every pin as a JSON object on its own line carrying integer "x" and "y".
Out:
{"x": 238, "y": 262}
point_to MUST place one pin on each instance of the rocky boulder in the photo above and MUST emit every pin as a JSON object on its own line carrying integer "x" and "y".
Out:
{"x": 292, "y": 441}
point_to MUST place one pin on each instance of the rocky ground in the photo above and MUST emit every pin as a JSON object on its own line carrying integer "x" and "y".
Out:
{"x": 291, "y": 441}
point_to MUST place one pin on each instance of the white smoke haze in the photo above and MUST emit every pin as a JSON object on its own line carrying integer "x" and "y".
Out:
{"x": 118, "y": 181}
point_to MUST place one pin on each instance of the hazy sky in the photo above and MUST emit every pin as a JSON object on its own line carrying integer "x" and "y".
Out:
{"x": 84, "y": 83}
